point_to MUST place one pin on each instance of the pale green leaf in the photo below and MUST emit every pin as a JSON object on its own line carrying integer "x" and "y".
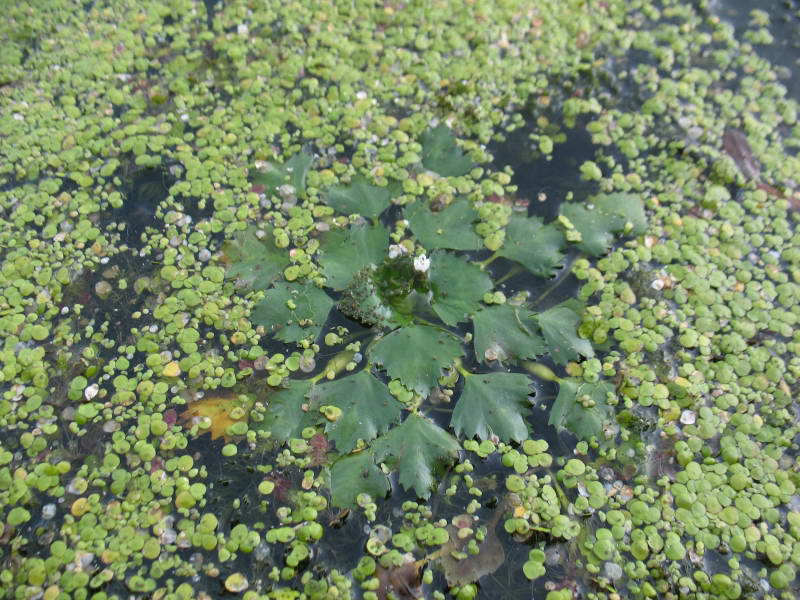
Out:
{"x": 567, "y": 413}
{"x": 441, "y": 154}
{"x": 356, "y": 474}
{"x": 293, "y": 172}
{"x": 628, "y": 206}
{"x": 560, "y": 328}
{"x": 451, "y": 228}
{"x": 458, "y": 287}
{"x": 536, "y": 246}
{"x": 293, "y": 311}
{"x": 256, "y": 261}
{"x": 417, "y": 449}
{"x": 346, "y": 251}
{"x": 359, "y": 197}
{"x": 368, "y": 409}
{"x": 416, "y": 355}
{"x": 507, "y": 332}
{"x": 493, "y": 404}
{"x": 596, "y": 227}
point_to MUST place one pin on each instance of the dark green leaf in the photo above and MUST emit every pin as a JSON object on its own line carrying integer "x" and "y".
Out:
{"x": 293, "y": 311}
{"x": 417, "y": 448}
{"x": 628, "y": 206}
{"x": 560, "y": 328}
{"x": 441, "y": 154}
{"x": 506, "y": 331}
{"x": 255, "y": 261}
{"x": 368, "y": 409}
{"x": 292, "y": 172}
{"x": 458, "y": 287}
{"x": 493, "y": 404}
{"x": 359, "y": 197}
{"x": 416, "y": 355}
{"x": 596, "y": 228}
{"x": 536, "y": 246}
{"x": 451, "y": 227}
{"x": 347, "y": 251}
{"x": 285, "y": 417}
{"x": 568, "y": 413}
{"x": 356, "y": 474}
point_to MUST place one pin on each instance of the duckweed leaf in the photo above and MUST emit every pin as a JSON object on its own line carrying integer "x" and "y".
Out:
{"x": 347, "y": 251}
{"x": 293, "y": 172}
{"x": 359, "y": 197}
{"x": 285, "y": 416}
{"x": 255, "y": 261}
{"x": 568, "y": 413}
{"x": 504, "y": 330}
{"x": 628, "y": 206}
{"x": 534, "y": 245}
{"x": 293, "y": 312}
{"x": 493, "y": 403}
{"x": 441, "y": 154}
{"x": 356, "y": 474}
{"x": 560, "y": 328}
{"x": 416, "y": 448}
{"x": 449, "y": 228}
{"x": 368, "y": 409}
{"x": 458, "y": 287}
{"x": 416, "y": 355}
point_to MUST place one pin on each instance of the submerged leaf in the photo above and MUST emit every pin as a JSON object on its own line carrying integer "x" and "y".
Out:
{"x": 359, "y": 197}
{"x": 356, "y": 474}
{"x": 293, "y": 172}
{"x": 568, "y": 411}
{"x": 417, "y": 448}
{"x": 287, "y": 415}
{"x": 536, "y": 246}
{"x": 368, "y": 409}
{"x": 400, "y": 583}
{"x": 346, "y": 251}
{"x": 293, "y": 311}
{"x": 416, "y": 355}
{"x": 493, "y": 404}
{"x": 489, "y": 558}
{"x": 441, "y": 154}
{"x": 458, "y": 287}
{"x": 255, "y": 261}
{"x": 451, "y": 228}
{"x": 502, "y": 332}
{"x": 560, "y": 328}
{"x": 220, "y": 411}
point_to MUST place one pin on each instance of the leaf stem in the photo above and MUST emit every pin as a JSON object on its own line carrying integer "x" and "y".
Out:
{"x": 559, "y": 280}
{"x": 511, "y": 272}
{"x": 460, "y": 368}
{"x": 484, "y": 263}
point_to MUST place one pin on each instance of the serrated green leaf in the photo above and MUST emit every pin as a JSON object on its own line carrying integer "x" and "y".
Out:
{"x": 276, "y": 315}
{"x": 441, "y": 154}
{"x": 368, "y": 409}
{"x": 347, "y": 251}
{"x": 458, "y": 287}
{"x": 595, "y": 227}
{"x": 416, "y": 355}
{"x": 359, "y": 197}
{"x": 567, "y": 413}
{"x": 356, "y": 474}
{"x": 628, "y": 206}
{"x": 451, "y": 227}
{"x": 255, "y": 261}
{"x": 536, "y": 246}
{"x": 285, "y": 417}
{"x": 507, "y": 330}
{"x": 292, "y": 172}
{"x": 417, "y": 448}
{"x": 560, "y": 328}
{"x": 493, "y": 404}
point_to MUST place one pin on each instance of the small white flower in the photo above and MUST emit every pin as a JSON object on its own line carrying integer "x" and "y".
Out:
{"x": 422, "y": 263}
{"x": 396, "y": 250}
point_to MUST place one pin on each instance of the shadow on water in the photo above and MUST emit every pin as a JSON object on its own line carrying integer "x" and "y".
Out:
{"x": 148, "y": 187}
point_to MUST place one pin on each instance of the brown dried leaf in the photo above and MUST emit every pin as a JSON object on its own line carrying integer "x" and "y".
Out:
{"x": 735, "y": 144}
{"x": 223, "y": 411}
{"x": 404, "y": 582}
